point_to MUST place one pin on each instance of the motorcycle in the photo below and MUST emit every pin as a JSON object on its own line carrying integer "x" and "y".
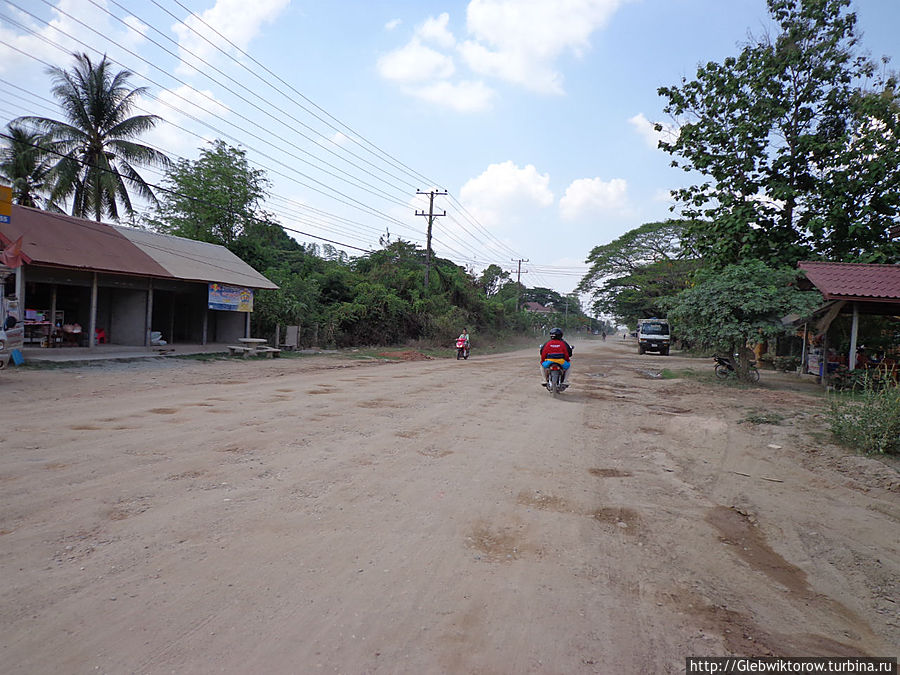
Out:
{"x": 555, "y": 384}
{"x": 462, "y": 350}
{"x": 724, "y": 368}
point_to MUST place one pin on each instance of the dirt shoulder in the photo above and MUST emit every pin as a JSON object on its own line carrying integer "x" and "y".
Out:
{"x": 432, "y": 516}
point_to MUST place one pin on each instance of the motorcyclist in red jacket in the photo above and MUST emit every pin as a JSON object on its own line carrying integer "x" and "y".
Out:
{"x": 558, "y": 350}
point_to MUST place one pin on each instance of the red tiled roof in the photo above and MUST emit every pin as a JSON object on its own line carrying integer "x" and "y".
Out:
{"x": 537, "y": 307}
{"x": 841, "y": 281}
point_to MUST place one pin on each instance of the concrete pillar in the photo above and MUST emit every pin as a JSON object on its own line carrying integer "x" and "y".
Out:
{"x": 92, "y": 329}
{"x": 854, "y": 330}
{"x": 148, "y": 322}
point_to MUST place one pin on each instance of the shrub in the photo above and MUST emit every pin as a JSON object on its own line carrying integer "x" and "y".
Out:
{"x": 786, "y": 363}
{"x": 868, "y": 421}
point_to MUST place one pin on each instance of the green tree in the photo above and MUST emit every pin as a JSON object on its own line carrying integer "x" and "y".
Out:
{"x": 739, "y": 305}
{"x": 98, "y": 152}
{"x": 796, "y": 139}
{"x": 215, "y": 198}
{"x": 25, "y": 165}
{"x": 632, "y": 276}
{"x": 492, "y": 279}
{"x": 545, "y": 296}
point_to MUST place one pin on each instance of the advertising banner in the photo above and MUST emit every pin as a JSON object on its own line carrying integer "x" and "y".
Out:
{"x": 230, "y": 298}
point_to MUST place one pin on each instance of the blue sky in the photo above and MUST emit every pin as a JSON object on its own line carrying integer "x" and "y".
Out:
{"x": 534, "y": 114}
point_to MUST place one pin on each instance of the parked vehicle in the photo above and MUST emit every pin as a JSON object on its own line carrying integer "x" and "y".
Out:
{"x": 724, "y": 368}
{"x": 462, "y": 350}
{"x": 653, "y": 336}
{"x": 555, "y": 385}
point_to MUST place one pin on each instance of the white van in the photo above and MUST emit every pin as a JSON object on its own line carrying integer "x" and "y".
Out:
{"x": 653, "y": 336}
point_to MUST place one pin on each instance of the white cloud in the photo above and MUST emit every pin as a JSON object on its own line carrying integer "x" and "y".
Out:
{"x": 587, "y": 196}
{"x": 505, "y": 193}
{"x": 464, "y": 97}
{"x": 435, "y": 30}
{"x": 520, "y": 40}
{"x": 646, "y": 129}
{"x": 414, "y": 62}
{"x": 392, "y": 24}
{"x": 237, "y": 20}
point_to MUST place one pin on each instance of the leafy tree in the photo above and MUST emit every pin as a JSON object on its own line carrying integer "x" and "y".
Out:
{"x": 632, "y": 276}
{"x": 739, "y": 305}
{"x": 545, "y": 296}
{"x": 797, "y": 140}
{"x": 645, "y": 292}
{"x": 25, "y": 165}
{"x": 99, "y": 154}
{"x": 215, "y": 198}
{"x": 492, "y": 279}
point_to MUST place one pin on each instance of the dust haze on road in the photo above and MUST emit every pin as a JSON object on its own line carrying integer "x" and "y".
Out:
{"x": 439, "y": 516}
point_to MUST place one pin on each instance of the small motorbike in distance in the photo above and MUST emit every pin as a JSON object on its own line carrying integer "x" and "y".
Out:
{"x": 724, "y": 368}
{"x": 462, "y": 350}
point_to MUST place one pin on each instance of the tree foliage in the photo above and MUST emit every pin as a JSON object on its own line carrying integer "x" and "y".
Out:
{"x": 215, "y": 198}
{"x": 26, "y": 166}
{"x": 631, "y": 277}
{"x": 797, "y": 140}
{"x": 743, "y": 304}
{"x": 96, "y": 145}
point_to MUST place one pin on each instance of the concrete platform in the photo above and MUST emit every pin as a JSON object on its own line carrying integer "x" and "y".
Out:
{"x": 113, "y": 352}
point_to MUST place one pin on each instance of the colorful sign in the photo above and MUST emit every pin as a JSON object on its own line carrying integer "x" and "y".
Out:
{"x": 230, "y": 298}
{"x": 5, "y": 203}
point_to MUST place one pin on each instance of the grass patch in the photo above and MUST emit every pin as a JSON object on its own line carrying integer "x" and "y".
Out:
{"x": 868, "y": 420}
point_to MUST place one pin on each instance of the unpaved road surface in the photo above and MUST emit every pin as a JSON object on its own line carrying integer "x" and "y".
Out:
{"x": 327, "y": 515}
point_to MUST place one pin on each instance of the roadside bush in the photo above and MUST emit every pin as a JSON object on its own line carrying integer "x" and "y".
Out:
{"x": 868, "y": 421}
{"x": 786, "y": 363}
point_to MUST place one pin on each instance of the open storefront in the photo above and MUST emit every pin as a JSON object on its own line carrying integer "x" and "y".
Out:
{"x": 84, "y": 284}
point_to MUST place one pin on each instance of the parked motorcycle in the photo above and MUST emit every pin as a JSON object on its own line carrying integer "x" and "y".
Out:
{"x": 462, "y": 350}
{"x": 724, "y": 368}
{"x": 555, "y": 384}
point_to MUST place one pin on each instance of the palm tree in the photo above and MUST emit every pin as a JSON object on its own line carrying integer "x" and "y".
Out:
{"x": 96, "y": 145}
{"x": 24, "y": 163}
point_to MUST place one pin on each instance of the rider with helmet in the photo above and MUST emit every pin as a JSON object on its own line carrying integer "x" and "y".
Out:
{"x": 555, "y": 350}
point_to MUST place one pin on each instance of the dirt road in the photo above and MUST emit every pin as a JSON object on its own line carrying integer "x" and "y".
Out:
{"x": 329, "y": 515}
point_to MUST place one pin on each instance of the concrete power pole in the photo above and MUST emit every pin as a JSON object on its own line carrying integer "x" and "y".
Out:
{"x": 431, "y": 215}
{"x": 519, "y": 282}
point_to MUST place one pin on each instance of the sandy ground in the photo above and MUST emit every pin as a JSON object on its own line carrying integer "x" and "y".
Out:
{"x": 329, "y": 515}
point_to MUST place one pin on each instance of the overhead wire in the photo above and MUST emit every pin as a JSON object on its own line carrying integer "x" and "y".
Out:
{"x": 364, "y": 186}
{"x": 486, "y": 240}
{"x": 219, "y": 131}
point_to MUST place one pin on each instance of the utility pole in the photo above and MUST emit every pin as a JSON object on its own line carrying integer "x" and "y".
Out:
{"x": 431, "y": 215}
{"x": 519, "y": 282}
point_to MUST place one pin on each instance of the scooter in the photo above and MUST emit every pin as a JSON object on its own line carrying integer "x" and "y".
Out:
{"x": 724, "y": 368}
{"x": 462, "y": 350}
{"x": 555, "y": 384}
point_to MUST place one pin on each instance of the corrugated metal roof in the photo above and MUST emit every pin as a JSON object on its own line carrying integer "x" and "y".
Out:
{"x": 195, "y": 260}
{"x": 63, "y": 241}
{"x": 853, "y": 280}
